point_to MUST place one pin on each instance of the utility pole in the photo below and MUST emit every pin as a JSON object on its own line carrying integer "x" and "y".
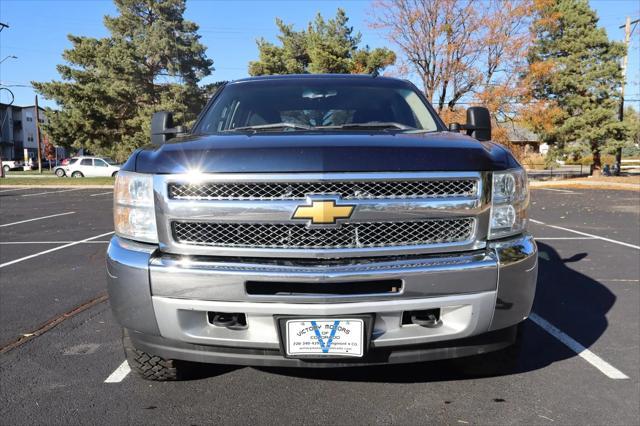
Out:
{"x": 627, "y": 41}
{"x": 37, "y": 114}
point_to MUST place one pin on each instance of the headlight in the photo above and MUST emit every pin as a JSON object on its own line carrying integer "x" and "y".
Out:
{"x": 509, "y": 203}
{"x": 134, "y": 215}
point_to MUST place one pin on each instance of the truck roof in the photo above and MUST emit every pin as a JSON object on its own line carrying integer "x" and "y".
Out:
{"x": 281, "y": 77}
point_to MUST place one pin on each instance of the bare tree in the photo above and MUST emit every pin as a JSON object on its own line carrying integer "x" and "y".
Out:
{"x": 460, "y": 49}
{"x": 434, "y": 37}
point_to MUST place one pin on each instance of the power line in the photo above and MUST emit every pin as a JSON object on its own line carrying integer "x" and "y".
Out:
{"x": 634, "y": 22}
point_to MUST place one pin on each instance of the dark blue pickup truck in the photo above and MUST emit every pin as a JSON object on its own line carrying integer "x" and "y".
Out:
{"x": 319, "y": 221}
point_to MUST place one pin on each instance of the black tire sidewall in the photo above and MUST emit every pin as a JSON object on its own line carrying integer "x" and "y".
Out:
{"x": 163, "y": 369}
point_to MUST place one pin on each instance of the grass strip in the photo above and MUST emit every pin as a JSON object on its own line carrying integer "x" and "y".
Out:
{"x": 56, "y": 181}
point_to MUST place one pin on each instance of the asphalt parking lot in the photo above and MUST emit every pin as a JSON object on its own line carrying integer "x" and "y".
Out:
{"x": 61, "y": 360}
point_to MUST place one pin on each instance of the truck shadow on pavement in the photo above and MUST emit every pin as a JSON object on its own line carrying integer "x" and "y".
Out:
{"x": 568, "y": 299}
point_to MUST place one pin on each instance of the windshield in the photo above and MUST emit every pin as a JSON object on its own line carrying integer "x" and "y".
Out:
{"x": 109, "y": 160}
{"x": 322, "y": 104}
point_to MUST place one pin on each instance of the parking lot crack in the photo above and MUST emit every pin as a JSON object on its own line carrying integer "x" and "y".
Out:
{"x": 53, "y": 322}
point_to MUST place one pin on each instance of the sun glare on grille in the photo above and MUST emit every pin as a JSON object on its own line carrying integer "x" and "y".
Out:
{"x": 434, "y": 188}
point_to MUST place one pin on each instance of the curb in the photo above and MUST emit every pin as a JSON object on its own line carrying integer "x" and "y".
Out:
{"x": 585, "y": 184}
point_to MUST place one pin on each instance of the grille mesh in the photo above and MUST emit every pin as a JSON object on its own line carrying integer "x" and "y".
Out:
{"x": 349, "y": 235}
{"x": 435, "y": 188}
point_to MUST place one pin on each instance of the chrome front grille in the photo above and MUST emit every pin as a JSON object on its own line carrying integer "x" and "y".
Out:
{"x": 348, "y": 190}
{"x": 394, "y": 213}
{"x": 348, "y": 236}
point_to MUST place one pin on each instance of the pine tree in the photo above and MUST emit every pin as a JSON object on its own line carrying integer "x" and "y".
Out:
{"x": 152, "y": 60}
{"x": 584, "y": 78}
{"x": 632, "y": 121}
{"x": 326, "y": 46}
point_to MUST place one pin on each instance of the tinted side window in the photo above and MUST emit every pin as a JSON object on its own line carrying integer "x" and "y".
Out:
{"x": 99, "y": 163}
{"x": 86, "y": 162}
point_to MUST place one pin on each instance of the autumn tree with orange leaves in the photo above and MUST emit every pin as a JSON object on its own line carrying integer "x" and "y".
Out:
{"x": 49, "y": 151}
{"x": 464, "y": 52}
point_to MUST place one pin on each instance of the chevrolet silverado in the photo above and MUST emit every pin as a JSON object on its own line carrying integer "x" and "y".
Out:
{"x": 318, "y": 221}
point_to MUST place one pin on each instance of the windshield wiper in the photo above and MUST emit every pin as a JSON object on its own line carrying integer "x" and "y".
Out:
{"x": 371, "y": 125}
{"x": 272, "y": 126}
{"x": 287, "y": 125}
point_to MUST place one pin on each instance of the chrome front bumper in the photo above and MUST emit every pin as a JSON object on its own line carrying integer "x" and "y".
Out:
{"x": 169, "y": 296}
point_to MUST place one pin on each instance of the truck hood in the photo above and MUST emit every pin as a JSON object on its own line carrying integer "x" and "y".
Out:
{"x": 321, "y": 152}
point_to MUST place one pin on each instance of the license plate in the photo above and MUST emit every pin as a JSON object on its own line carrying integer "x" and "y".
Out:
{"x": 325, "y": 337}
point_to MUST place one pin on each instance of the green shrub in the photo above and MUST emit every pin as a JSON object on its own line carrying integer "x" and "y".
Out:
{"x": 604, "y": 159}
{"x": 534, "y": 161}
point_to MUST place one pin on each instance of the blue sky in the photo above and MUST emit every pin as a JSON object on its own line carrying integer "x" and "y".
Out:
{"x": 38, "y": 30}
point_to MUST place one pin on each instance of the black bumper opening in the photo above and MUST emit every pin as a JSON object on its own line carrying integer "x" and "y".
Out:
{"x": 274, "y": 288}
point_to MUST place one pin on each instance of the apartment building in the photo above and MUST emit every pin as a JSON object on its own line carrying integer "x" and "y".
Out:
{"x": 18, "y": 131}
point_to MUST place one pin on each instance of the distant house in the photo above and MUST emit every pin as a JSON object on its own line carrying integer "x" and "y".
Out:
{"x": 527, "y": 141}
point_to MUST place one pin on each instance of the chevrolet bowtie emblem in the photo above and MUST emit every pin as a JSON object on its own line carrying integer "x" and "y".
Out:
{"x": 323, "y": 212}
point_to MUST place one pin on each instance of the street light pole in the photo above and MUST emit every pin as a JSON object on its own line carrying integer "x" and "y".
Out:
{"x": 2, "y": 27}
{"x": 8, "y": 57}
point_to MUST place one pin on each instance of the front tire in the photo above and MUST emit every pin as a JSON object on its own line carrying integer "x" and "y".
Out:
{"x": 114, "y": 174}
{"x": 77, "y": 175}
{"x": 152, "y": 367}
{"x": 60, "y": 173}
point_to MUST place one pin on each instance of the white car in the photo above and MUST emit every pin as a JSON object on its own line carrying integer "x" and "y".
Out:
{"x": 88, "y": 167}
{"x": 17, "y": 165}
{"x": 8, "y": 165}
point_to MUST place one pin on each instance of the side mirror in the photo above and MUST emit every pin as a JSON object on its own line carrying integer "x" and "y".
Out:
{"x": 454, "y": 127}
{"x": 162, "y": 128}
{"x": 478, "y": 123}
